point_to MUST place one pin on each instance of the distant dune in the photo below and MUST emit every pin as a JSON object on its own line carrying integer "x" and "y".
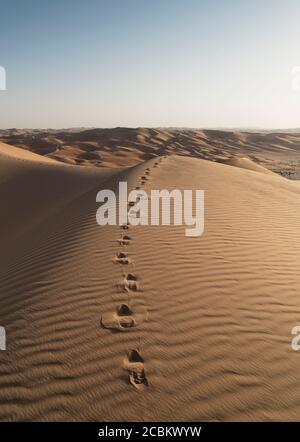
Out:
{"x": 245, "y": 163}
{"x": 122, "y": 147}
{"x": 201, "y": 325}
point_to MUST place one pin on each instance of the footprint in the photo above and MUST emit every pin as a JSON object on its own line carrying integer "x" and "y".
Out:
{"x": 144, "y": 178}
{"x": 123, "y": 319}
{"x": 138, "y": 197}
{"x": 135, "y": 356}
{"x": 125, "y": 240}
{"x": 124, "y": 310}
{"x": 137, "y": 378}
{"x": 131, "y": 282}
{"x": 126, "y": 322}
{"x": 124, "y": 226}
{"x": 121, "y": 258}
{"x": 141, "y": 196}
{"x": 134, "y": 364}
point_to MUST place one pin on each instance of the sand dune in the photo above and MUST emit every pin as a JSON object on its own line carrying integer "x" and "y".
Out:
{"x": 122, "y": 147}
{"x": 246, "y": 163}
{"x": 22, "y": 154}
{"x": 34, "y": 186}
{"x": 202, "y": 326}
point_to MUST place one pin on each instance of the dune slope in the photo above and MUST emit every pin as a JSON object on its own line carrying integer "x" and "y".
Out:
{"x": 211, "y": 315}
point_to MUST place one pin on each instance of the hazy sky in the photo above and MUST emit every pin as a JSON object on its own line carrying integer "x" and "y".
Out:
{"x": 104, "y": 63}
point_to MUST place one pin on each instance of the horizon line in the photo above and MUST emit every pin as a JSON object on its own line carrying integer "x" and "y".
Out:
{"x": 219, "y": 128}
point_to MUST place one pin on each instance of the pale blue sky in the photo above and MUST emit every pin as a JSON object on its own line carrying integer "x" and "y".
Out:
{"x": 106, "y": 63}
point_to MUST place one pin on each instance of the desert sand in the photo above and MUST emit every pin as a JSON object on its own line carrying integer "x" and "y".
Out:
{"x": 201, "y": 326}
{"x": 123, "y": 147}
